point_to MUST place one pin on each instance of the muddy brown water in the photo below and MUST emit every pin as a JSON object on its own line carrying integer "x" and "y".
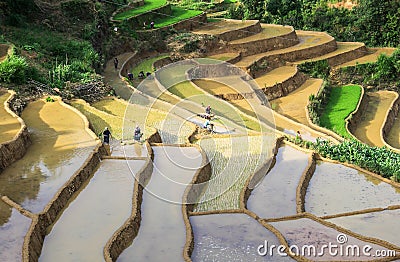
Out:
{"x": 9, "y": 125}
{"x": 393, "y": 138}
{"x": 230, "y": 237}
{"x": 84, "y": 228}
{"x": 303, "y": 233}
{"x": 335, "y": 189}
{"x": 275, "y": 196}
{"x": 11, "y": 247}
{"x": 162, "y": 233}
{"x": 294, "y": 104}
{"x": 368, "y": 130}
{"x": 60, "y": 145}
{"x": 384, "y": 225}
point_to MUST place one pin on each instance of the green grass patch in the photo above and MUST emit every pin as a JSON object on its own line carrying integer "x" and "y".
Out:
{"x": 342, "y": 102}
{"x": 148, "y": 5}
{"x": 146, "y": 65}
{"x": 178, "y": 14}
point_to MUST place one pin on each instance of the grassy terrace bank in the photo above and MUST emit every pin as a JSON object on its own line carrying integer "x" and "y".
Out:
{"x": 148, "y": 5}
{"x": 342, "y": 102}
{"x": 178, "y": 14}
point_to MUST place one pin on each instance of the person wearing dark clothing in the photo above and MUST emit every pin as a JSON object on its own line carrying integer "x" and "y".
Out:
{"x": 148, "y": 74}
{"x": 106, "y": 136}
{"x": 138, "y": 133}
{"x": 141, "y": 75}
{"x": 116, "y": 63}
{"x": 208, "y": 110}
{"x": 130, "y": 76}
{"x": 152, "y": 25}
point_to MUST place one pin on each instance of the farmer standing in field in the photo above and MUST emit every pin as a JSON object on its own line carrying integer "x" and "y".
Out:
{"x": 116, "y": 63}
{"x": 106, "y": 136}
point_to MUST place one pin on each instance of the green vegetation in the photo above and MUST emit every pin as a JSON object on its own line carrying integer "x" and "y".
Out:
{"x": 54, "y": 57}
{"x": 379, "y": 160}
{"x": 341, "y": 103}
{"x": 148, "y": 6}
{"x": 373, "y": 22}
{"x": 318, "y": 102}
{"x": 146, "y": 65}
{"x": 234, "y": 160}
{"x": 382, "y": 74}
{"x": 15, "y": 69}
{"x": 178, "y": 14}
{"x": 317, "y": 69}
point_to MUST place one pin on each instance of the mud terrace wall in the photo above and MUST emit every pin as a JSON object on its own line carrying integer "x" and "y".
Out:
{"x": 33, "y": 242}
{"x": 259, "y": 174}
{"x": 14, "y": 149}
{"x": 303, "y": 184}
{"x": 125, "y": 235}
{"x": 265, "y": 44}
{"x": 192, "y": 193}
{"x": 347, "y": 56}
{"x": 254, "y": 27}
{"x": 287, "y": 86}
{"x": 390, "y": 119}
{"x": 340, "y": 229}
{"x": 133, "y": 61}
{"x": 269, "y": 62}
{"x": 162, "y": 62}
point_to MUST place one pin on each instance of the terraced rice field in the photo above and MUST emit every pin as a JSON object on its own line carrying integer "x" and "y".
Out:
{"x": 223, "y": 26}
{"x": 9, "y": 125}
{"x": 268, "y": 31}
{"x": 371, "y": 56}
{"x": 343, "y": 101}
{"x": 370, "y": 127}
{"x": 361, "y": 191}
{"x": 294, "y": 105}
{"x": 60, "y": 145}
{"x": 149, "y": 5}
{"x": 227, "y": 225}
{"x": 233, "y": 161}
{"x": 275, "y": 195}
{"x": 393, "y": 138}
{"x": 307, "y": 39}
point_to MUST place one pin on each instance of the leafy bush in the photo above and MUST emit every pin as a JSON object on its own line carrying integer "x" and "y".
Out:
{"x": 318, "y": 102}
{"x": 15, "y": 70}
{"x": 379, "y": 160}
{"x": 317, "y": 69}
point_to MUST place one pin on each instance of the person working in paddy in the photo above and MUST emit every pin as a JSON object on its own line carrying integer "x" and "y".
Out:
{"x": 106, "y": 136}
{"x": 138, "y": 134}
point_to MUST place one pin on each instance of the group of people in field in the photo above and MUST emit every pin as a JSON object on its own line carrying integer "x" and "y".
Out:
{"x": 137, "y": 135}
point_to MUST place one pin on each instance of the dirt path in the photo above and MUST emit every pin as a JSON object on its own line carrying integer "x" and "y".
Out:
{"x": 371, "y": 57}
{"x": 294, "y": 104}
{"x": 369, "y": 128}
{"x": 9, "y": 125}
{"x": 111, "y": 77}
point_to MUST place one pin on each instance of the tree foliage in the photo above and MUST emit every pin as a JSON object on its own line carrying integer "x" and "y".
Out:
{"x": 373, "y": 22}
